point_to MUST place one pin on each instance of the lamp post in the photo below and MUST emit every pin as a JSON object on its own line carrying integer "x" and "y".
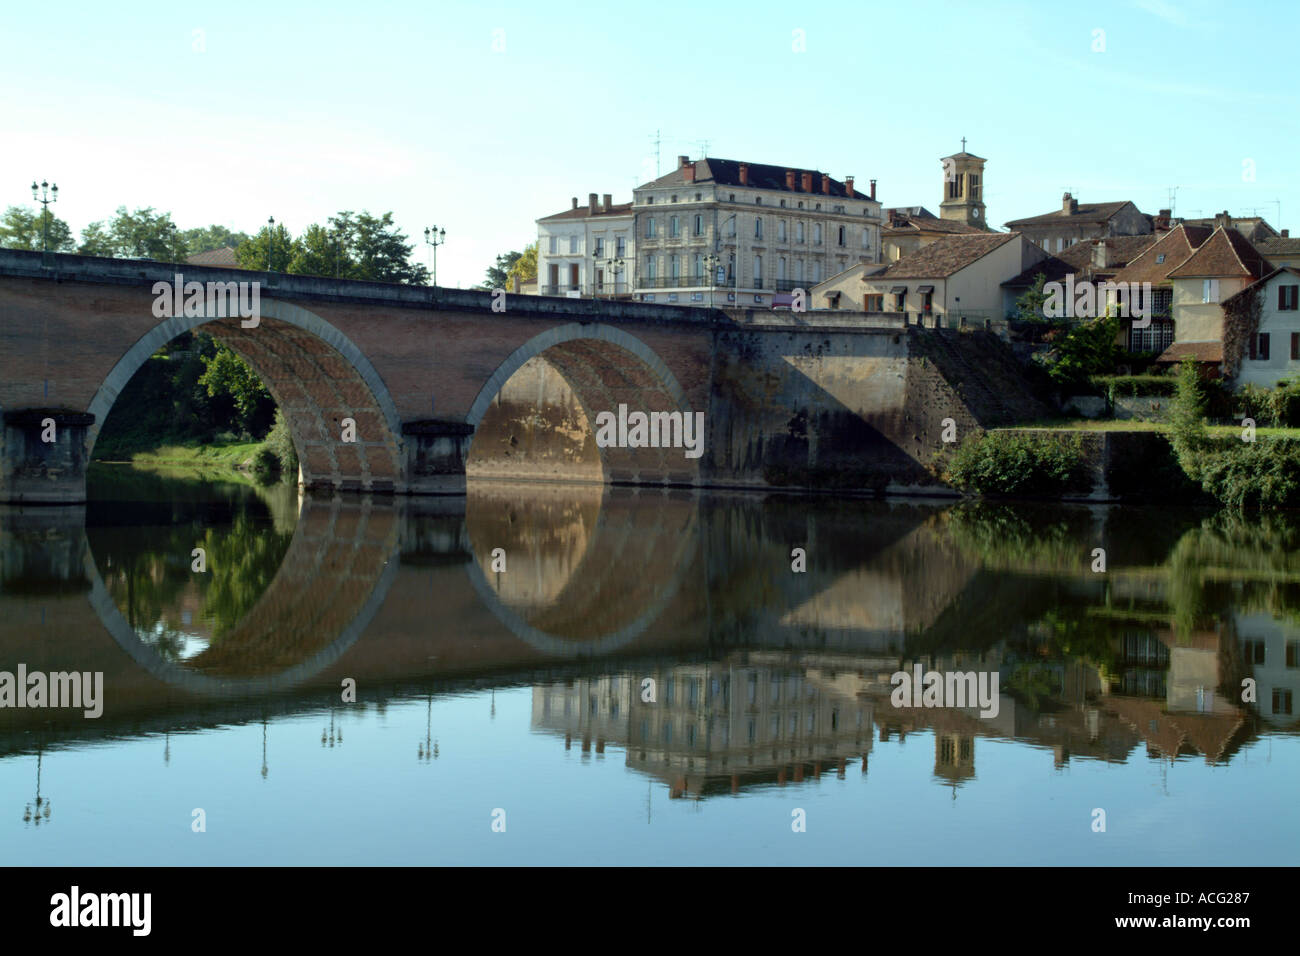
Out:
{"x": 433, "y": 238}
{"x": 270, "y": 244}
{"x": 614, "y": 264}
{"x": 710, "y": 264}
{"x": 717, "y": 242}
{"x": 338, "y": 243}
{"x": 45, "y": 194}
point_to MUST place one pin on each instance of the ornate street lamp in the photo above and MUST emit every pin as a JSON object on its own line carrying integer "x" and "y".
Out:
{"x": 270, "y": 244}
{"x": 433, "y": 238}
{"x": 45, "y": 194}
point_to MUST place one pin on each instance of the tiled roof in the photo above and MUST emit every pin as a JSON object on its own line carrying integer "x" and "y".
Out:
{"x": 1226, "y": 253}
{"x": 1176, "y": 246}
{"x": 917, "y": 225}
{"x": 1077, "y": 260}
{"x": 584, "y": 212}
{"x": 726, "y": 172}
{"x": 225, "y": 256}
{"x": 945, "y": 256}
{"x": 1086, "y": 212}
{"x": 1199, "y": 351}
{"x": 1278, "y": 246}
{"x": 1257, "y": 284}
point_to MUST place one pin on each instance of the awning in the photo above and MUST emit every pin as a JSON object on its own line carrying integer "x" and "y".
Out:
{"x": 897, "y": 289}
{"x": 924, "y": 288}
{"x": 833, "y": 295}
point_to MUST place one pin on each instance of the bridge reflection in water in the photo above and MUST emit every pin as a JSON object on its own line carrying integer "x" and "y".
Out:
{"x": 668, "y": 625}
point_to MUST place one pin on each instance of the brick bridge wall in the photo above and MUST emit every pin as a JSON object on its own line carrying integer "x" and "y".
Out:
{"x": 809, "y": 400}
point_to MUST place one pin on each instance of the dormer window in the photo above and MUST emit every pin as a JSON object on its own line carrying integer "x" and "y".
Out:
{"x": 1160, "y": 259}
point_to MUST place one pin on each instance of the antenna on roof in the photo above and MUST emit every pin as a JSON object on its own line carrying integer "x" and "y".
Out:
{"x": 1278, "y": 203}
{"x": 704, "y": 149}
{"x": 1173, "y": 197}
{"x": 657, "y": 140}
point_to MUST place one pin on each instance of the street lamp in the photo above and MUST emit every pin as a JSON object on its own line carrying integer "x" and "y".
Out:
{"x": 711, "y": 264}
{"x": 45, "y": 194}
{"x": 717, "y": 244}
{"x": 433, "y": 238}
{"x": 614, "y": 265}
{"x": 270, "y": 244}
{"x": 338, "y": 243}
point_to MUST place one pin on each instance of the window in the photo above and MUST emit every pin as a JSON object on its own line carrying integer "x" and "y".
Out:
{"x": 798, "y": 270}
{"x": 1286, "y": 297}
{"x": 973, "y": 182}
{"x": 1295, "y": 346}
{"x": 1160, "y": 259}
{"x": 758, "y": 228}
{"x": 1293, "y": 653}
{"x": 900, "y": 301}
{"x": 1253, "y": 651}
{"x": 620, "y": 246}
{"x": 650, "y": 267}
{"x": 758, "y": 272}
{"x": 1281, "y": 701}
{"x": 840, "y": 237}
{"x": 649, "y": 228}
{"x": 674, "y": 227}
{"x": 758, "y": 200}
{"x": 649, "y": 199}
{"x": 780, "y": 231}
{"x": 600, "y": 248}
{"x": 1259, "y": 347}
{"x": 866, "y": 238}
{"x": 782, "y": 203}
{"x": 954, "y": 187}
{"x": 817, "y": 272}
{"x": 699, "y": 266}
{"x": 674, "y": 197}
{"x": 780, "y": 269}
{"x": 817, "y": 234}
{"x": 699, "y": 224}
{"x": 875, "y": 303}
{"x": 1210, "y": 290}
{"x": 573, "y": 245}
{"x": 554, "y": 245}
{"x": 798, "y": 232}
{"x": 675, "y": 266}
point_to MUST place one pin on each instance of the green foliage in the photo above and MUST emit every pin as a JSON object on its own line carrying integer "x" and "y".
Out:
{"x": 498, "y": 276}
{"x": 1187, "y": 418}
{"x": 22, "y": 228}
{"x": 1271, "y": 407}
{"x": 525, "y": 267}
{"x": 140, "y": 234}
{"x": 1029, "y": 306}
{"x": 272, "y": 249}
{"x": 1086, "y": 349}
{"x": 1132, "y": 386}
{"x": 207, "y": 238}
{"x": 280, "y": 443}
{"x": 225, "y": 373}
{"x": 1264, "y": 473}
{"x": 1018, "y": 463}
{"x": 353, "y": 246}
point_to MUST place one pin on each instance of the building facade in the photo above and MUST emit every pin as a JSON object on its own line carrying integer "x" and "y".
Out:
{"x": 1076, "y": 221}
{"x": 747, "y": 234}
{"x": 587, "y": 250}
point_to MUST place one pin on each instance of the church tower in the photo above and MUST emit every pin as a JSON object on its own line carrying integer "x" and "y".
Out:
{"x": 963, "y": 188}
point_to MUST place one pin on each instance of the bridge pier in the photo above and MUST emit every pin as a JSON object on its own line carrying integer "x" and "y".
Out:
{"x": 43, "y": 456}
{"x": 435, "y": 456}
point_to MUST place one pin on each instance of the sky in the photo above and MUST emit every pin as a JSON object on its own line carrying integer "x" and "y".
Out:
{"x": 481, "y": 117}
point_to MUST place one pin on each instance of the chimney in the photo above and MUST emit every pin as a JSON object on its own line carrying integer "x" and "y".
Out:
{"x": 848, "y": 186}
{"x": 688, "y": 172}
{"x": 591, "y": 203}
{"x": 1286, "y": 233}
{"x": 607, "y": 198}
{"x": 1069, "y": 205}
{"x": 575, "y": 202}
{"x": 873, "y": 189}
{"x": 1099, "y": 257}
{"x": 683, "y": 162}
{"x": 744, "y": 174}
{"x": 826, "y": 184}
{"x": 789, "y": 179}
{"x": 1223, "y": 219}
{"x": 807, "y": 182}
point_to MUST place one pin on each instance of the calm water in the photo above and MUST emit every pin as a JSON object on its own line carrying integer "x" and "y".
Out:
{"x": 518, "y": 696}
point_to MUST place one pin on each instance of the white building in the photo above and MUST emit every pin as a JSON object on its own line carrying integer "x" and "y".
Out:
{"x": 587, "y": 250}
{"x": 1272, "y": 353}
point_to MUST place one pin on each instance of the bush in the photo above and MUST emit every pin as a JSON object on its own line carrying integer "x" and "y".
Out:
{"x": 1274, "y": 407}
{"x": 1261, "y": 474}
{"x": 1133, "y": 386}
{"x": 279, "y": 443}
{"x": 1019, "y": 463}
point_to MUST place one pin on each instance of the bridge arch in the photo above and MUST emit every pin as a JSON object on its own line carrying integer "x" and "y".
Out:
{"x": 316, "y": 375}
{"x": 604, "y": 367}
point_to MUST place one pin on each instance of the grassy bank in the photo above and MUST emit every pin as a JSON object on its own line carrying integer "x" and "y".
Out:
{"x": 239, "y": 456}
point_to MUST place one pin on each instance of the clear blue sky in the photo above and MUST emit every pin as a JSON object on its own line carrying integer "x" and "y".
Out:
{"x": 298, "y": 110}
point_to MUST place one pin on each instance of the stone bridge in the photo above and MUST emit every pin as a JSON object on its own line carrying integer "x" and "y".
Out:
{"x": 803, "y": 400}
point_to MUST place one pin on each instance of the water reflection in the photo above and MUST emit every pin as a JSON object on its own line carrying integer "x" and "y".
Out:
{"x": 668, "y": 627}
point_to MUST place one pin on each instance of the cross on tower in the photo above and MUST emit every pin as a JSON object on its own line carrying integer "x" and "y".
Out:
{"x": 963, "y": 144}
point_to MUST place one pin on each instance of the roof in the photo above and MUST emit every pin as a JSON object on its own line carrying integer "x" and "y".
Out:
{"x": 1259, "y": 284}
{"x": 225, "y": 256}
{"x": 1077, "y": 260}
{"x": 726, "y": 172}
{"x": 1176, "y": 246}
{"x": 965, "y": 155}
{"x": 584, "y": 212}
{"x": 1197, "y": 351}
{"x": 903, "y": 225}
{"x": 1278, "y": 246}
{"x": 909, "y": 212}
{"x": 868, "y": 269}
{"x": 1248, "y": 226}
{"x": 1085, "y": 212}
{"x": 945, "y": 256}
{"x": 1226, "y": 253}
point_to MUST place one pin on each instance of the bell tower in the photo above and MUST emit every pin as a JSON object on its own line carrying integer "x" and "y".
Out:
{"x": 963, "y": 188}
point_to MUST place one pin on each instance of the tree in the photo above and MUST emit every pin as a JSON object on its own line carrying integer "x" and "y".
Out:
{"x": 525, "y": 267}
{"x": 207, "y": 238}
{"x": 225, "y": 373}
{"x": 22, "y": 228}
{"x": 1029, "y": 306}
{"x": 381, "y": 250}
{"x": 95, "y": 241}
{"x": 143, "y": 233}
{"x": 323, "y": 251}
{"x": 275, "y": 241}
{"x": 498, "y": 276}
{"x": 1187, "y": 432}
{"x": 1086, "y": 349}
